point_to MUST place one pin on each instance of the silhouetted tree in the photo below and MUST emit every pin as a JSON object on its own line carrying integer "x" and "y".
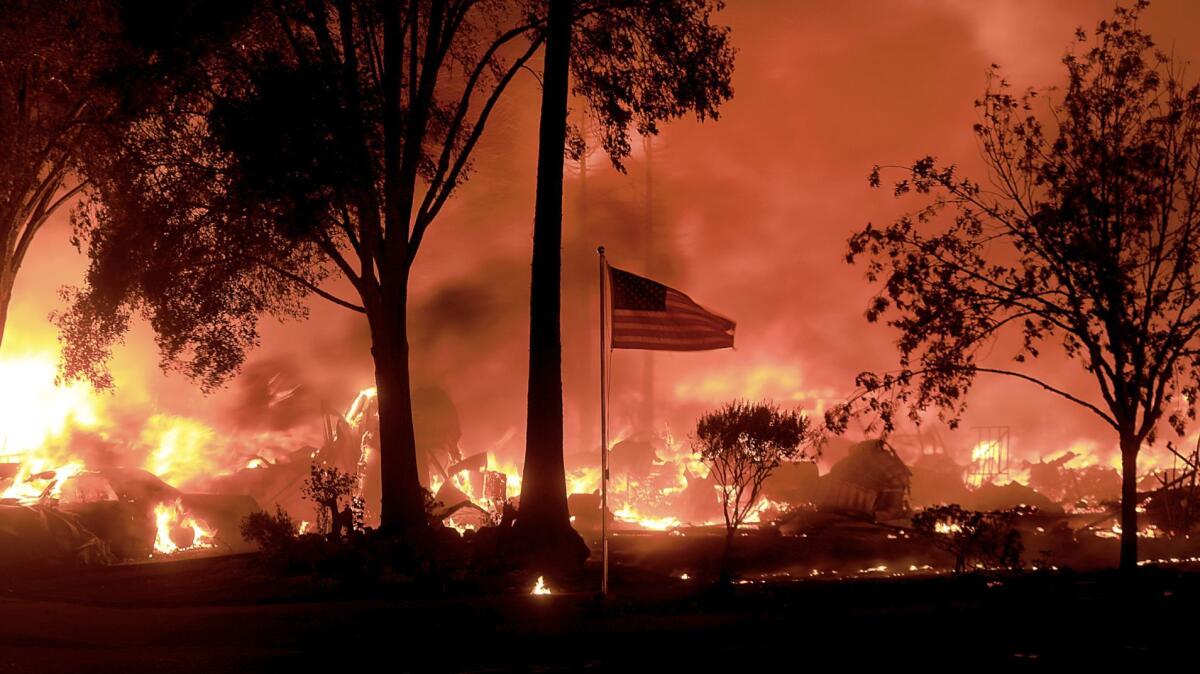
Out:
{"x": 271, "y": 533}
{"x": 543, "y": 511}
{"x": 318, "y": 140}
{"x": 742, "y": 443}
{"x": 57, "y": 92}
{"x": 328, "y": 488}
{"x": 632, "y": 60}
{"x": 1084, "y": 233}
{"x": 312, "y": 140}
{"x": 973, "y": 537}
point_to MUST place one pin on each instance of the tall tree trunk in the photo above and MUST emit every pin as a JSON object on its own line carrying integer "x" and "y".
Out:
{"x": 1129, "y": 526}
{"x": 543, "y": 519}
{"x": 403, "y": 504}
{"x": 726, "y": 574}
{"x": 7, "y": 279}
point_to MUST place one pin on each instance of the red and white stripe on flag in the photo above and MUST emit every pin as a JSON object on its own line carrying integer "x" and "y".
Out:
{"x": 649, "y": 315}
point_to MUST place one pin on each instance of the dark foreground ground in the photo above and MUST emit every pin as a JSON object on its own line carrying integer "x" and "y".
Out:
{"x": 223, "y": 615}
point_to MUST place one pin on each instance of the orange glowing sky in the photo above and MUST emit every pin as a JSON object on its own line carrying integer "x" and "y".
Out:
{"x": 750, "y": 217}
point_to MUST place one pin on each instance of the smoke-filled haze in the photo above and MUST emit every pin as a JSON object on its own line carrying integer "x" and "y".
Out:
{"x": 749, "y": 215}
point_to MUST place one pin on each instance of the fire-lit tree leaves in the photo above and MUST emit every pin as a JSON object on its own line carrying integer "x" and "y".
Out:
{"x": 742, "y": 443}
{"x": 193, "y": 278}
{"x": 1084, "y": 235}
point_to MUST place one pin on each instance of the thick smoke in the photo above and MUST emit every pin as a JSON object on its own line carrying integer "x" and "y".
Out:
{"x": 750, "y": 217}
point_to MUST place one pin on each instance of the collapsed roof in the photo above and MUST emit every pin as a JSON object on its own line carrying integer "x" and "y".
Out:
{"x": 871, "y": 480}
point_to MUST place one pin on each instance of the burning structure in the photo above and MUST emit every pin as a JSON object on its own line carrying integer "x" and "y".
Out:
{"x": 77, "y": 486}
{"x": 871, "y": 481}
{"x": 68, "y": 502}
{"x": 100, "y": 516}
{"x": 659, "y": 485}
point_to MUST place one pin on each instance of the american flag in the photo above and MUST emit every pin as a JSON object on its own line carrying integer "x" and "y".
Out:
{"x": 649, "y": 315}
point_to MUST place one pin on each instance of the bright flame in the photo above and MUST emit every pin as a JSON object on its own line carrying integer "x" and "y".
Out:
{"x": 985, "y": 461}
{"x": 765, "y": 505}
{"x": 36, "y": 415}
{"x": 630, "y": 515}
{"x": 355, "y": 413}
{"x": 179, "y": 448}
{"x": 652, "y": 500}
{"x": 171, "y": 521}
{"x": 540, "y": 587}
{"x": 583, "y": 480}
{"x": 39, "y": 479}
{"x": 947, "y": 528}
{"x": 511, "y": 472}
{"x": 35, "y": 409}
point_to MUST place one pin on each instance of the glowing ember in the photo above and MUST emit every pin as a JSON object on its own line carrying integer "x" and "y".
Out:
{"x": 540, "y": 587}
{"x": 1149, "y": 531}
{"x": 630, "y": 515}
{"x": 947, "y": 528}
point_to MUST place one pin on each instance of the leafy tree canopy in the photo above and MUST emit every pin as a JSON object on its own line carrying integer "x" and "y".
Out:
{"x": 742, "y": 443}
{"x": 289, "y": 152}
{"x": 1083, "y": 236}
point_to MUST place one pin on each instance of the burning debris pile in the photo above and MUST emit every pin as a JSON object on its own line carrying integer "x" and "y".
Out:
{"x": 78, "y": 512}
{"x": 1069, "y": 478}
{"x": 64, "y": 501}
{"x": 659, "y": 485}
{"x": 67, "y": 494}
{"x": 861, "y": 508}
{"x": 99, "y": 516}
{"x": 871, "y": 481}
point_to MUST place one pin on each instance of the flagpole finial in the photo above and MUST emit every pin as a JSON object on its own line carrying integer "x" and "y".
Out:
{"x": 600, "y": 249}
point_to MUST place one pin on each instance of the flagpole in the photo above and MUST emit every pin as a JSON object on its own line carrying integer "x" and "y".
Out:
{"x": 603, "y": 425}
